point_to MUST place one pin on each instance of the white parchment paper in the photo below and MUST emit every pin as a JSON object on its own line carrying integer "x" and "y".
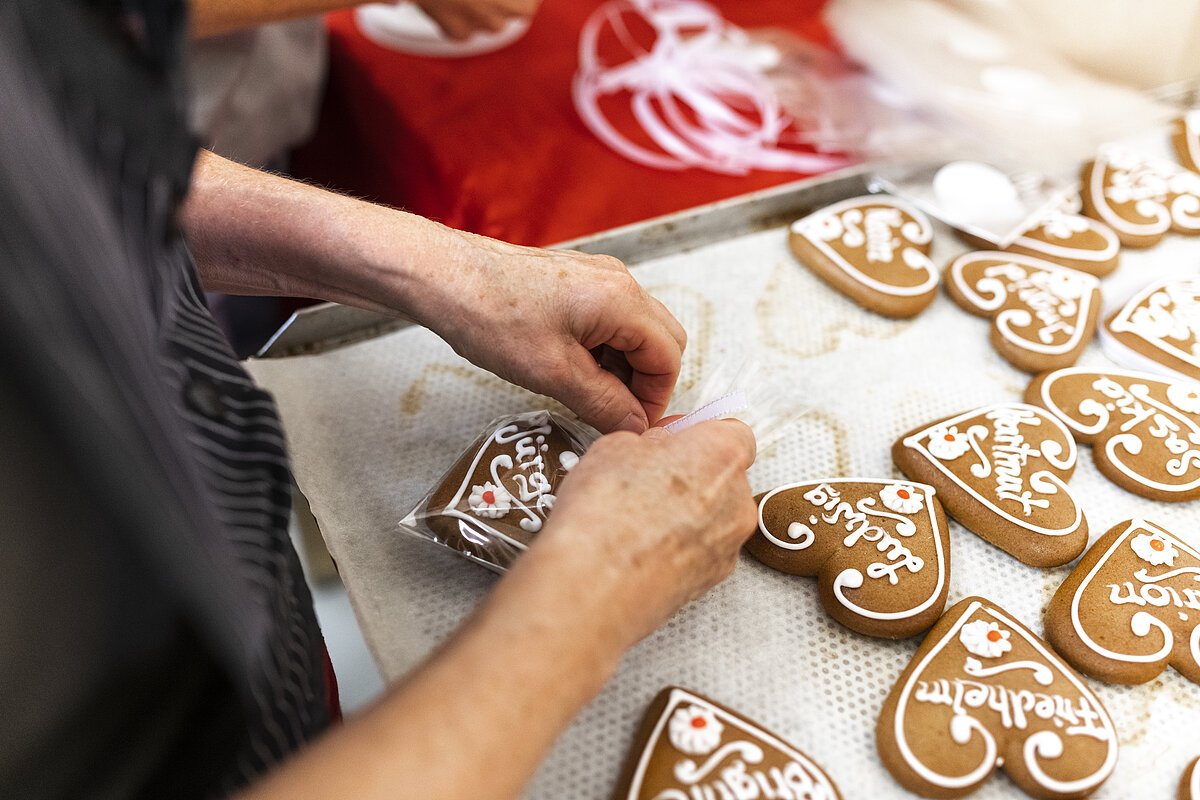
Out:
{"x": 373, "y": 425}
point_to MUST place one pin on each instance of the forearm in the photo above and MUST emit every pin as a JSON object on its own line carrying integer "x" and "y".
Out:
{"x": 213, "y": 17}
{"x": 478, "y": 718}
{"x": 253, "y": 232}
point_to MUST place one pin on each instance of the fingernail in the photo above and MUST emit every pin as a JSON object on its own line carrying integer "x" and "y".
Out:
{"x": 632, "y": 423}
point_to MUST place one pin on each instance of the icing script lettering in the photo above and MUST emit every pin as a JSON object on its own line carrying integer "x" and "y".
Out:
{"x": 739, "y": 780}
{"x": 1052, "y": 297}
{"x": 858, "y": 520}
{"x": 1151, "y": 594}
{"x": 1169, "y": 318}
{"x": 1014, "y": 708}
{"x": 533, "y": 496}
{"x": 881, "y": 244}
{"x": 1010, "y": 454}
{"x": 1138, "y": 409}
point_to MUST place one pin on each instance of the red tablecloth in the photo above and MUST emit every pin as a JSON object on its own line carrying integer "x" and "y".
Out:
{"x": 493, "y": 144}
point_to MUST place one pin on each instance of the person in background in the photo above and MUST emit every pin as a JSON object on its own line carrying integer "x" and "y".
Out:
{"x": 159, "y": 639}
{"x": 255, "y": 72}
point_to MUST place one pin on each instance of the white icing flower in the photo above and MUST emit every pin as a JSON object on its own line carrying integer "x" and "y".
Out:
{"x": 985, "y": 639}
{"x": 1155, "y": 549}
{"x": 825, "y": 227}
{"x": 1185, "y": 397}
{"x": 695, "y": 730}
{"x": 947, "y": 443}
{"x": 489, "y": 500}
{"x": 902, "y": 498}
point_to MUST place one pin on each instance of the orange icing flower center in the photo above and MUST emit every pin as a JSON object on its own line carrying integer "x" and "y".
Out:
{"x": 1156, "y": 544}
{"x": 489, "y": 497}
{"x": 993, "y": 636}
{"x": 948, "y": 437}
{"x": 698, "y": 722}
{"x": 903, "y": 494}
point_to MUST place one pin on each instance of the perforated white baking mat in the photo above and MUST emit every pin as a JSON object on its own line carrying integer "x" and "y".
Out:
{"x": 371, "y": 426}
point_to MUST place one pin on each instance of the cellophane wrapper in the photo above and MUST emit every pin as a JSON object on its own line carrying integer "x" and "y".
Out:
{"x": 493, "y": 501}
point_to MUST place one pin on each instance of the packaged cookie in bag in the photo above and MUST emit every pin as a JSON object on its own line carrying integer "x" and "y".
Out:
{"x": 491, "y": 504}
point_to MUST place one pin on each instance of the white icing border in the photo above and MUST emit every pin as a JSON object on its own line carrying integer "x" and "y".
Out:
{"x": 679, "y": 696}
{"x": 991, "y": 758}
{"x": 1164, "y": 652}
{"x": 1191, "y": 138}
{"x": 1100, "y": 167}
{"x": 1030, "y": 262}
{"x": 929, "y": 494}
{"x": 845, "y": 266}
{"x": 913, "y": 443}
{"x": 1112, "y": 245}
{"x": 1120, "y": 323}
{"x": 1109, "y": 448}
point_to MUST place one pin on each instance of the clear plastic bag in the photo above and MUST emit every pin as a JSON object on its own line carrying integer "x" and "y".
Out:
{"x": 491, "y": 504}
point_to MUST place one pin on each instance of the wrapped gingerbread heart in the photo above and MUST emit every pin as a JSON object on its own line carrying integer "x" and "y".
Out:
{"x": 491, "y": 504}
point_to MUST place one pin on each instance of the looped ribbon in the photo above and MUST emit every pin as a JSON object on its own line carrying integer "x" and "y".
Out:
{"x": 724, "y": 406}
{"x": 700, "y": 93}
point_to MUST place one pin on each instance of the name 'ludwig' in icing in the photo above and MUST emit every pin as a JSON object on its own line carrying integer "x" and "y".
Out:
{"x": 880, "y": 549}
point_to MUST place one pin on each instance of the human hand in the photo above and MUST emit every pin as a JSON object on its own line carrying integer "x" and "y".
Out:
{"x": 458, "y": 19}
{"x": 535, "y": 317}
{"x": 644, "y": 524}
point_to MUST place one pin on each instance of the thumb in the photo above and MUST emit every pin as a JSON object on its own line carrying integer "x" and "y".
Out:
{"x": 599, "y": 397}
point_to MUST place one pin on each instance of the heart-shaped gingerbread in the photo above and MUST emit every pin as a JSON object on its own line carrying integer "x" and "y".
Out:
{"x": 691, "y": 748}
{"x": 1043, "y": 314}
{"x": 1131, "y": 606}
{"x": 1071, "y": 239}
{"x": 1001, "y": 471}
{"x": 1189, "y": 784}
{"x": 1140, "y": 198}
{"x": 1185, "y": 137}
{"x": 873, "y": 249}
{"x": 1144, "y": 429}
{"x": 984, "y": 692}
{"x": 497, "y": 496}
{"x": 880, "y": 549}
{"x": 1158, "y": 330}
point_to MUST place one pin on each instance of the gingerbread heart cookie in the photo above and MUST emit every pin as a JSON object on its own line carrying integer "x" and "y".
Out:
{"x": 1189, "y": 784}
{"x": 690, "y": 748}
{"x": 1144, "y": 429}
{"x": 1001, "y": 471}
{"x": 497, "y": 496}
{"x": 874, "y": 250}
{"x": 1185, "y": 138}
{"x": 1066, "y": 237}
{"x": 1131, "y": 606}
{"x": 1043, "y": 314}
{"x": 1158, "y": 329}
{"x": 880, "y": 549}
{"x": 1140, "y": 198}
{"x": 984, "y": 692}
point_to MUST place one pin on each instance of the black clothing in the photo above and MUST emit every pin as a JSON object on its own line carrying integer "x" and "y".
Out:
{"x": 158, "y": 638}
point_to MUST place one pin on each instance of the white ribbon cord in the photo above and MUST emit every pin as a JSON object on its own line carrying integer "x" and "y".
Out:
{"x": 697, "y": 94}
{"x": 724, "y": 406}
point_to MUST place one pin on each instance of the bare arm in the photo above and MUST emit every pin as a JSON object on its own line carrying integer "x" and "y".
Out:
{"x": 531, "y": 316}
{"x": 642, "y": 525}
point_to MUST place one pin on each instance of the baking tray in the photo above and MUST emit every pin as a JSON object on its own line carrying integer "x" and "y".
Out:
{"x": 326, "y": 326}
